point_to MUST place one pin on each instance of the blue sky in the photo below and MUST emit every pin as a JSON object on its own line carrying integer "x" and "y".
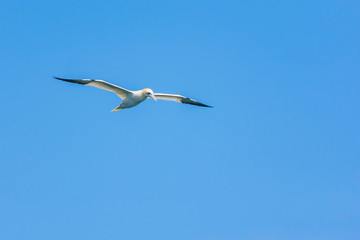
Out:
{"x": 277, "y": 158}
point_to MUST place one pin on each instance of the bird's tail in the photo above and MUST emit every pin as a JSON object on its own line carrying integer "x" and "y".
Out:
{"x": 116, "y": 109}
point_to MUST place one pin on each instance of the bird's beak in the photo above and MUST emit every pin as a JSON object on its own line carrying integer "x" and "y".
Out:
{"x": 153, "y": 97}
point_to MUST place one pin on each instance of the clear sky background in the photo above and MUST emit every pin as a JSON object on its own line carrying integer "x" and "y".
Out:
{"x": 277, "y": 158}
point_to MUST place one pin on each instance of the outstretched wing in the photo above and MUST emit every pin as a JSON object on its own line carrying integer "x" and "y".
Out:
{"x": 179, "y": 98}
{"x": 121, "y": 92}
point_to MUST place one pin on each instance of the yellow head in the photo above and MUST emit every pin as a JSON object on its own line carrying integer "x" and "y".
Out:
{"x": 149, "y": 93}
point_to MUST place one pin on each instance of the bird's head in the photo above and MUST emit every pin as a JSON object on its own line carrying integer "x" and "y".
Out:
{"x": 149, "y": 93}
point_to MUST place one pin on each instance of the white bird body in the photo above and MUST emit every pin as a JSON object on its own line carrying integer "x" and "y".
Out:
{"x": 133, "y": 98}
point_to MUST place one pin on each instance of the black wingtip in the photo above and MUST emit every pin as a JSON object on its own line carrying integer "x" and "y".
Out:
{"x": 62, "y": 79}
{"x": 78, "y": 81}
{"x": 193, "y": 102}
{"x": 207, "y": 106}
{"x": 202, "y": 105}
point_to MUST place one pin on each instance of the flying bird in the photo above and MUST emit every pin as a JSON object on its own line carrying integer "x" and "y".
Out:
{"x": 133, "y": 98}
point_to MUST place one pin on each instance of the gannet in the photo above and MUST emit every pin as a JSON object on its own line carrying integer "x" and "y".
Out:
{"x": 133, "y": 98}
